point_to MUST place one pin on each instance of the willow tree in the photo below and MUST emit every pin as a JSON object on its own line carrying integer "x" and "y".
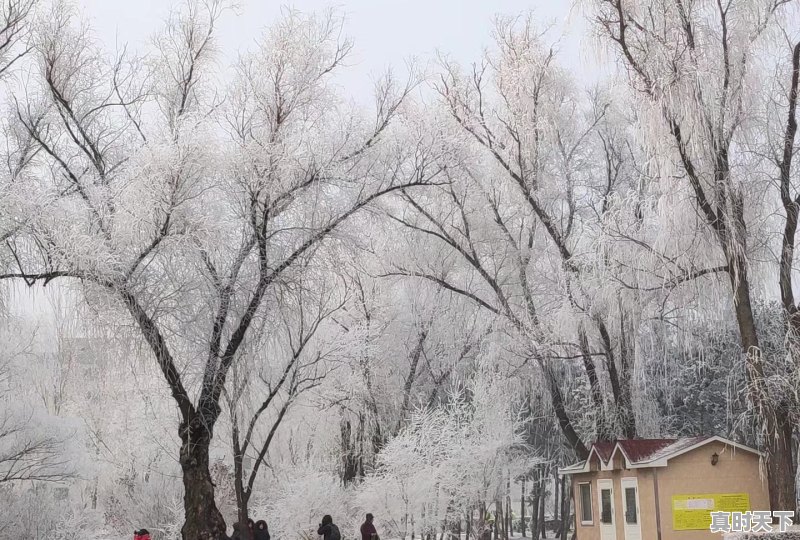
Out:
{"x": 182, "y": 204}
{"x": 514, "y": 231}
{"x": 701, "y": 72}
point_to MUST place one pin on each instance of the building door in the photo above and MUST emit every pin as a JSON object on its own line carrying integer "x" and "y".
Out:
{"x": 605, "y": 494}
{"x": 630, "y": 502}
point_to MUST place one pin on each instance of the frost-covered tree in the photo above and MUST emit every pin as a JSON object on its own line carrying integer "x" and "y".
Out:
{"x": 293, "y": 358}
{"x": 184, "y": 205}
{"x": 553, "y": 266}
{"x": 699, "y": 72}
{"x": 410, "y": 354}
{"x": 32, "y": 443}
{"x": 17, "y": 202}
{"x": 449, "y": 460}
{"x": 513, "y": 230}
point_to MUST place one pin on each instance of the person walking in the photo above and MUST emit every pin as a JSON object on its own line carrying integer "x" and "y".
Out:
{"x": 261, "y": 531}
{"x": 328, "y": 530}
{"x": 368, "y": 531}
{"x": 241, "y": 532}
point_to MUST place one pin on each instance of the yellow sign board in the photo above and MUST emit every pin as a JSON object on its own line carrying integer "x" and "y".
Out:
{"x": 691, "y": 512}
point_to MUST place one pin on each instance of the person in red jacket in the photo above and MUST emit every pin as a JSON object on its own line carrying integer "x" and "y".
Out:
{"x": 143, "y": 534}
{"x": 368, "y": 531}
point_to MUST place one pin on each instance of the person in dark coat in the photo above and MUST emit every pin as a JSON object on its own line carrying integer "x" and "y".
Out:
{"x": 261, "y": 531}
{"x": 240, "y": 532}
{"x": 328, "y": 530}
{"x": 368, "y": 531}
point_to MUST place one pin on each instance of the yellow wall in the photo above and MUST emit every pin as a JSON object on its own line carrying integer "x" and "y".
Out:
{"x": 736, "y": 472}
{"x": 691, "y": 473}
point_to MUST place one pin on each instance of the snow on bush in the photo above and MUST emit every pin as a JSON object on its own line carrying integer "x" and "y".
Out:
{"x": 298, "y": 499}
{"x": 34, "y": 511}
{"x": 446, "y": 461}
{"x": 133, "y": 502}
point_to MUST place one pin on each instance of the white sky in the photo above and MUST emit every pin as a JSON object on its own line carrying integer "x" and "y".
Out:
{"x": 386, "y": 32}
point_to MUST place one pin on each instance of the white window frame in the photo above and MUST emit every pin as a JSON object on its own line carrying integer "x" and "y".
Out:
{"x": 591, "y": 509}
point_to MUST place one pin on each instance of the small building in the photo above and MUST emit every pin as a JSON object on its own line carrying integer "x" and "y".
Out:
{"x": 664, "y": 489}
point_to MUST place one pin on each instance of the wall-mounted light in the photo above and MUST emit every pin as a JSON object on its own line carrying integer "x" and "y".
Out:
{"x": 714, "y": 458}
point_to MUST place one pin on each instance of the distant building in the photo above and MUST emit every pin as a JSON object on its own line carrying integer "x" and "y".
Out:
{"x": 663, "y": 489}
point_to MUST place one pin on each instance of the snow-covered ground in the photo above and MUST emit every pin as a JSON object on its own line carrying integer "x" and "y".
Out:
{"x": 792, "y": 534}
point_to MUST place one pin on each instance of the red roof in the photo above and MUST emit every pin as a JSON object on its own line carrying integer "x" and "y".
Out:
{"x": 637, "y": 450}
{"x": 642, "y": 449}
{"x": 649, "y": 452}
{"x": 604, "y": 450}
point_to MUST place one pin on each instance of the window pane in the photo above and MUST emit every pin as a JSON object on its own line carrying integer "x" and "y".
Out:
{"x": 605, "y": 499}
{"x": 586, "y": 502}
{"x": 630, "y": 505}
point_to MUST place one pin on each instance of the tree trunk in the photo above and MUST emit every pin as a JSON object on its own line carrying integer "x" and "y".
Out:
{"x": 556, "y": 499}
{"x": 627, "y": 356}
{"x": 542, "y": 515}
{"x": 424, "y": 528}
{"x": 242, "y": 497}
{"x": 781, "y": 465}
{"x": 566, "y": 498}
{"x": 620, "y": 388}
{"x": 360, "y": 441}
{"x": 203, "y": 521}
{"x": 564, "y": 422}
{"x": 522, "y": 507}
{"x": 481, "y": 522}
{"x": 777, "y": 429}
{"x": 508, "y": 523}
{"x": 603, "y": 431}
{"x": 498, "y": 516}
{"x": 349, "y": 457}
{"x": 509, "y": 519}
{"x": 535, "y": 504}
{"x": 416, "y": 353}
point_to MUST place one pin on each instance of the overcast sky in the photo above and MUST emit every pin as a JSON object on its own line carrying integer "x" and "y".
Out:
{"x": 386, "y": 32}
